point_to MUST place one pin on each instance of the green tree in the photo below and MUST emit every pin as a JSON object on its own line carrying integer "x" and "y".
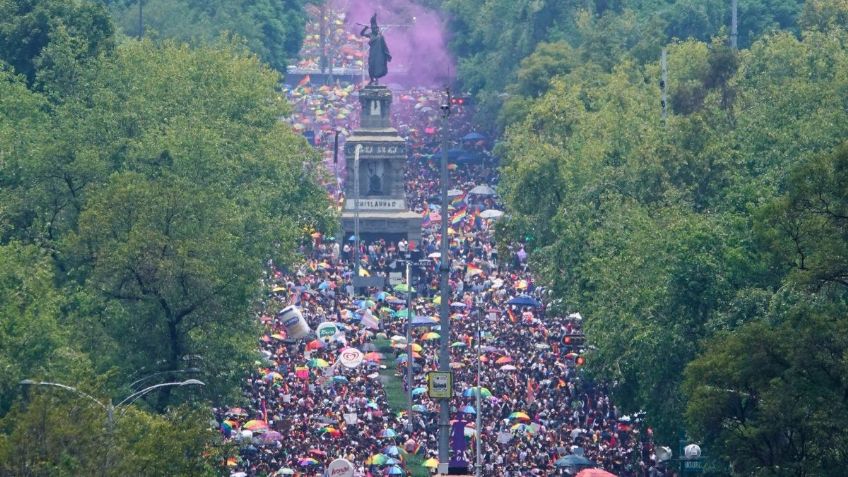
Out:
{"x": 770, "y": 398}
{"x": 273, "y": 30}
{"x": 58, "y": 433}
{"x": 648, "y": 228}
{"x": 29, "y": 27}
{"x": 178, "y": 153}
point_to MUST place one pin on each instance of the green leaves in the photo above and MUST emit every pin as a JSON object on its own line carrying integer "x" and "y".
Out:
{"x": 663, "y": 235}
{"x": 160, "y": 185}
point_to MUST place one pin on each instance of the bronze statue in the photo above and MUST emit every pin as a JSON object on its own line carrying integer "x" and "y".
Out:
{"x": 378, "y": 52}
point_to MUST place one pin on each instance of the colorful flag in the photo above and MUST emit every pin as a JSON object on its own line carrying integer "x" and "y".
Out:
{"x": 458, "y": 217}
{"x": 512, "y": 316}
{"x": 305, "y": 81}
{"x": 302, "y": 372}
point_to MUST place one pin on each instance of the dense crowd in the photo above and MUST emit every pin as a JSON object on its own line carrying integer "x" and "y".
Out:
{"x": 303, "y": 409}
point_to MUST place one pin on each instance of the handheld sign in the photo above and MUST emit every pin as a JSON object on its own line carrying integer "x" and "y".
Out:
{"x": 340, "y": 468}
{"x": 351, "y": 357}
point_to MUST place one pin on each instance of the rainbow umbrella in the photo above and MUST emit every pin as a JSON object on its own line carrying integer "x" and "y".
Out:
{"x": 317, "y": 363}
{"x": 377, "y": 459}
{"x": 472, "y": 392}
{"x": 307, "y": 461}
{"x": 273, "y": 376}
{"x": 430, "y": 336}
{"x": 521, "y": 416}
{"x": 255, "y": 425}
{"x": 521, "y": 428}
{"x": 392, "y": 450}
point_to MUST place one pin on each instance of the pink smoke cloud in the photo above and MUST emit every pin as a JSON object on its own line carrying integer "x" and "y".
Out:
{"x": 415, "y": 36}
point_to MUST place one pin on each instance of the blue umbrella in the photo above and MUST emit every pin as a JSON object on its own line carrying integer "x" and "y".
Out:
{"x": 524, "y": 300}
{"x": 352, "y": 238}
{"x": 468, "y": 409}
{"x": 419, "y": 408}
{"x": 473, "y": 136}
{"x": 573, "y": 460}
{"x": 423, "y": 320}
{"x": 395, "y": 470}
{"x": 417, "y": 391}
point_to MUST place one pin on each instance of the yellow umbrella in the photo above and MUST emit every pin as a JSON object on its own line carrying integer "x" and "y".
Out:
{"x": 431, "y": 463}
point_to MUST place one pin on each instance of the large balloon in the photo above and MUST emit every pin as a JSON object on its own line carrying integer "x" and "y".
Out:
{"x": 296, "y": 326}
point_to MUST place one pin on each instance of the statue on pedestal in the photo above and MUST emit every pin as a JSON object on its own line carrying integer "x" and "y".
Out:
{"x": 378, "y": 52}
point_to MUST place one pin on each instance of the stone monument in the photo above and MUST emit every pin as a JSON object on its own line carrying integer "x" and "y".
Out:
{"x": 382, "y": 204}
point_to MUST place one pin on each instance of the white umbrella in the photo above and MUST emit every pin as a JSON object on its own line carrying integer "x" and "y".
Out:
{"x": 285, "y": 471}
{"x": 435, "y": 255}
{"x": 454, "y": 192}
{"x": 482, "y": 190}
{"x": 491, "y": 214}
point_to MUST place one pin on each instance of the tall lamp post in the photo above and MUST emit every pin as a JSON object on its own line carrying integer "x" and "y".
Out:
{"x": 109, "y": 407}
{"x": 478, "y": 424}
{"x": 444, "y": 293}
{"x": 355, "y": 279}
{"x": 409, "y": 360}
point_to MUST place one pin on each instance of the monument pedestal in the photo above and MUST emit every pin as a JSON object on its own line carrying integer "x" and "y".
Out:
{"x": 381, "y": 197}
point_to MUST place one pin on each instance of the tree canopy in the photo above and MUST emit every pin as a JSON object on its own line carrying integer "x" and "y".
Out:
{"x": 144, "y": 186}
{"x": 668, "y": 236}
{"x": 273, "y": 29}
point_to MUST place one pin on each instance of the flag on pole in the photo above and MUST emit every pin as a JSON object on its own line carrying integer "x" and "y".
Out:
{"x": 458, "y": 217}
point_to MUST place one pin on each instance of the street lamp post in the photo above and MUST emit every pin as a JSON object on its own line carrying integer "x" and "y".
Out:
{"x": 409, "y": 360}
{"x": 355, "y": 279}
{"x": 109, "y": 408}
{"x": 479, "y": 419}
{"x": 444, "y": 293}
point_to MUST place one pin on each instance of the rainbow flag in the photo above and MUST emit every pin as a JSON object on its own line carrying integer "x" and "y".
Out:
{"x": 458, "y": 217}
{"x": 302, "y": 372}
{"x": 511, "y": 315}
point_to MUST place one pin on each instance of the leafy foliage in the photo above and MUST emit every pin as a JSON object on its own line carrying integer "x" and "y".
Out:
{"x": 500, "y": 42}
{"x": 273, "y": 29}
{"x": 143, "y": 188}
{"x": 31, "y": 29}
{"x": 658, "y": 232}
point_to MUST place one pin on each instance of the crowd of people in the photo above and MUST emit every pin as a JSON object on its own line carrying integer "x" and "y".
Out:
{"x": 302, "y": 408}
